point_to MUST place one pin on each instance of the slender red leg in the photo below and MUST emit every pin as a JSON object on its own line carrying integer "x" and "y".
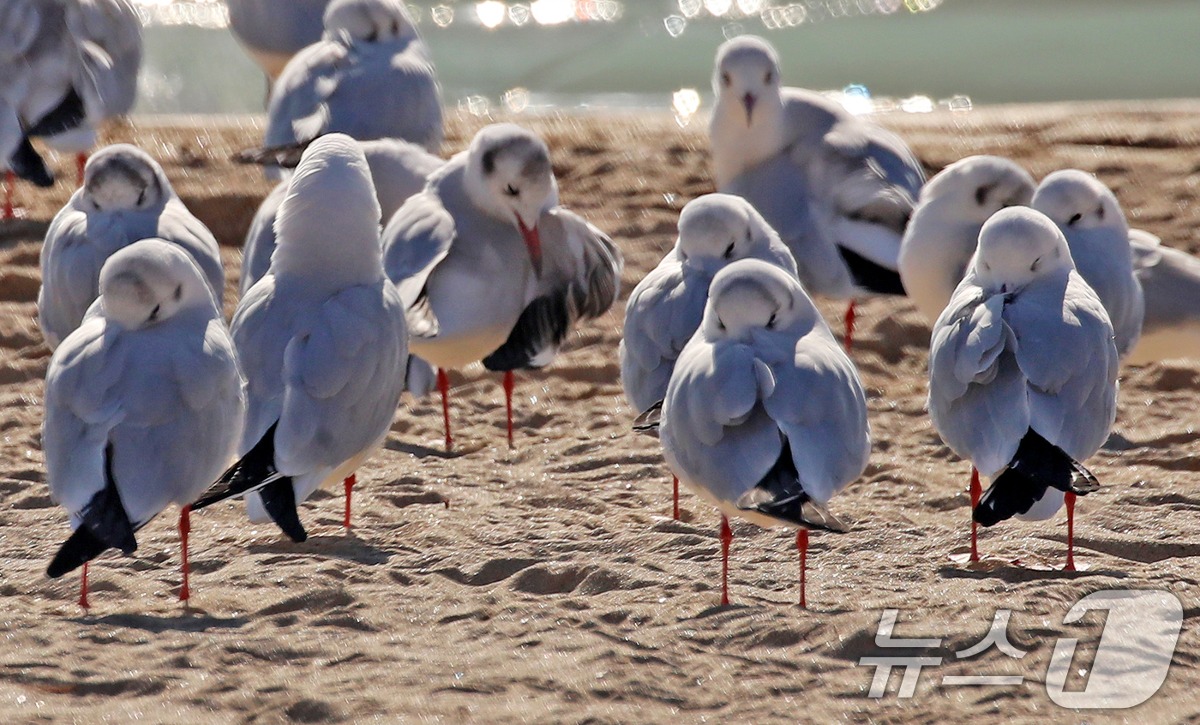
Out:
{"x": 83, "y": 589}
{"x": 848, "y": 341}
{"x": 9, "y": 181}
{"x": 185, "y": 528}
{"x": 349, "y": 486}
{"x": 80, "y": 162}
{"x": 726, "y": 540}
{"x": 1070, "y": 499}
{"x": 508, "y": 391}
{"x": 976, "y": 492}
{"x": 675, "y": 497}
{"x": 802, "y": 545}
{"x": 443, "y": 383}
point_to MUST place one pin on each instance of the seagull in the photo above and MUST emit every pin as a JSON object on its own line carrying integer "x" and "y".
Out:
{"x": 490, "y": 267}
{"x": 1088, "y": 214}
{"x": 765, "y": 416}
{"x": 666, "y": 307}
{"x": 322, "y": 340}
{"x": 1023, "y": 372}
{"x": 144, "y": 405}
{"x": 272, "y": 31}
{"x": 1170, "y": 281}
{"x": 369, "y": 77}
{"x": 838, "y": 189}
{"x": 125, "y": 197}
{"x": 940, "y": 240}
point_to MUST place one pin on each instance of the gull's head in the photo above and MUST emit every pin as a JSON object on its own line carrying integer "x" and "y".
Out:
{"x": 746, "y": 75}
{"x": 716, "y": 229}
{"x": 977, "y": 187}
{"x": 122, "y": 178}
{"x": 149, "y": 282}
{"x": 369, "y": 21}
{"x": 752, "y": 297}
{"x": 509, "y": 176}
{"x": 1075, "y": 199}
{"x": 1017, "y": 246}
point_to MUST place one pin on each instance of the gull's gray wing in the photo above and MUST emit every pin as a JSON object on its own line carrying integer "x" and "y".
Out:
{"x": 662, "y": 313}
{"x": 1170, "y": 281}
{"x": 260, "y": 239}
{"x": 418, "y": 237}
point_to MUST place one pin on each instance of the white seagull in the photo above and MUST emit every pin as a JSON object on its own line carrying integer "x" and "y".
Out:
{"x": 125, "y": 197}
{"x": 838, "y": 189}
{"x": 322, "y": 340}
{"x": 369, "y": 77}
{"x": 1170, "y": 282}
{"x": 941, "y": 237}
{"x": 272, "y": 31}
{"x": 1088, "y": 214}
{"x": 490, "y": 267}
{"x": 1023, "y": 372}
{"x": 765, "y": 416}
{"x": 144, "y": 404}
{"x": 666, "y": 307}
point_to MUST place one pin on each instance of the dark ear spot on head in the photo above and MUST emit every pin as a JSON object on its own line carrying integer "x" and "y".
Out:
{"x": 536, "y": 167}
{"x": 489, "y": 161}
{"x": 178, "y": 292}
{"x": 1100, "y": 212}
{"x": 981, "y": 195}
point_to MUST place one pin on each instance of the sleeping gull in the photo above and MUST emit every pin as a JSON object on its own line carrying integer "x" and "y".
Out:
{"x": 369, "y": 77}
{"x": 322, "y": 340}
{"x": 489, "y": 266}
{"x": 272, "y": 31}
{"x": 125, "y": 197}
{"x": 144, "y": 404}
{"x": 765, "y": 416}
{"x": 838, "y": 189}
{"x": 940, "y": 240}
{"x": 666, "y": 307}
{"x": 1023, "y": 372}
{"x": 1170, "y": 282}
{"x": 1088, "y": 214}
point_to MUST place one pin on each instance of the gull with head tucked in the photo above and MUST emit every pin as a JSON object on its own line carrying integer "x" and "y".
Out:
{"x": 1023, "y": 372}
{"x": 272, "y": 31}
{"x": 1170, "y": 281}
{"x": 322, "y": 340}
{"x": 144, "y": 404}
{"x": 839, "y": 190}
{"x": 125, "y": 197}
{"x": 941, "y": 237}
{"x": 765, "y": 416}
{"x": 490, "y": 267}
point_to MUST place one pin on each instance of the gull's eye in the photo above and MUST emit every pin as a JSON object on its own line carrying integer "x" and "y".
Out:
{"x": 396, "y": 27}
{"x": 1100, "y": 213}
{"x": 1033, "y": 267}
{"x": 374, "y": 34}
{"x": 141, "y": 197}
{"x": 771, "y": 322}
{"x": 512, "y": 190}
{"x": 728, "y": 251}
{"x": 726, "y": 79}
{"x": 720, "y": 324}
{"x": 1073, "y": 219}
{"x": 981, "y": 195}
{"x": 178, "y": 292}
{"x": 154, "y": 313}
{"x": 770, "y": 76}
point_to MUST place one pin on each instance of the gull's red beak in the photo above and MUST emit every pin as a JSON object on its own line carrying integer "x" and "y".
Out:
{"x": 748, "y": 101}
{"x": 533, "y": 242}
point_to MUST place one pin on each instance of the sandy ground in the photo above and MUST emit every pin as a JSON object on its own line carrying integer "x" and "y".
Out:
{"x": 554, "y": 587}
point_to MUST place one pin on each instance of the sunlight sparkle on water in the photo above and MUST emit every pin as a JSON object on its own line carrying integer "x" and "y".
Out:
{"x": 553, "y": 12}
{"x": 491, "y": 13}
{"x": 685, "y": 102}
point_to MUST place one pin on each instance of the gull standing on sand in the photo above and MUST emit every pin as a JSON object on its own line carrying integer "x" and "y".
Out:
{"x": 322, "y": 341}
{"x": 666, "y": 307}
{"x": 838, "y": 189}
{"x": 272, "y": 31}
{"x": 1170, "y": 282}
{"x": 1088, "y": 214}
{"x": 765, "y": 416}
{"x": 125, "y": 197}
{"x": 1023, "y": 373}
{"x": 941, "y": 237}
{"x": 144, "y": 404}
{"x": 491, "y": 268}
{"x": 369, "y": 77}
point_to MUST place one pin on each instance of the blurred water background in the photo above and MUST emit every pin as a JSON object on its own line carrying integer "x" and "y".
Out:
{"x": 915, "y": 54}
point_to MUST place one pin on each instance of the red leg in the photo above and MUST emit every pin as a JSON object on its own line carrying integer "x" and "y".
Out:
{"x": 508, "y": 391}
{"x": 675, "y": 497}
{"x": 348, "y": 484}
{"x": 726, "y": 540}
{"x": 80, "y": 162}
{"x": 802, "y": 545}
{"x": 83, "y": 589}
{"x": 976, "y": 492}
{"x": 185, "y": 528}
{"x": 1070, "y": 499}
{"x": 9, "y": 181}
{"x": 443, "y": 383}
{"x": 848, "y": 341}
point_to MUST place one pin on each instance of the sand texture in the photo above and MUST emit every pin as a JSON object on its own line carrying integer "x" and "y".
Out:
{"x": 548, "y": 583}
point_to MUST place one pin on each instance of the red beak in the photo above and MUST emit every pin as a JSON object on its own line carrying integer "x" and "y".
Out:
{"x": 748, "y": 101}
{"x": 533, "y": 242}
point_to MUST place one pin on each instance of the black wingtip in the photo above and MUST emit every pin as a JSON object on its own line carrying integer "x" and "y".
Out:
{"x": 872, "y": 276}
{"x": 797, "y": 509}
{"x": 27, "y": 164}
{"x": 286, "y": 156}
{"x": 279, "y": 500}
{"x": 542, "y": 327}
{"x": 252, "y": 471}
{"x": 79, "y": 549}
{"x": 67, "y": 115}
{"x": 650, "y": 420}
{"x": 1037, "y": 466}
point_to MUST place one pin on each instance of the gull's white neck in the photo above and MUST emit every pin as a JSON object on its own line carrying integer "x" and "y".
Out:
{"x": 737, "y": 146}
